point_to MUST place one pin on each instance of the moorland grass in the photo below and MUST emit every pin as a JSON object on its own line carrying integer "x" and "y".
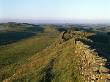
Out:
{"x": 55, "y": 64}
{"x": 13, "y": 55}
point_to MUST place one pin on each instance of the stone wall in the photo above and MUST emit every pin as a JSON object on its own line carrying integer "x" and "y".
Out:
{"x": 92, "y": 66}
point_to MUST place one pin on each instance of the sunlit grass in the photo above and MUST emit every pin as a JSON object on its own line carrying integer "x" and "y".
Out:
{"x": 55, "y": 64}
{"x": 13, "y": 55}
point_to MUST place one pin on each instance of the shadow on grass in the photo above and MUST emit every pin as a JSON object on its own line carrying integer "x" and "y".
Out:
{"x": 48, "y": 74}
{"x": 101, "y": 45}
{"x": 10, "y": 37}
{"x": 7, "y": 37}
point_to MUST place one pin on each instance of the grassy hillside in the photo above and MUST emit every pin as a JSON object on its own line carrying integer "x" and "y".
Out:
{"x": 13, "y": 32}
{"x": 54, "y": 64}
{"x": 24, "y": 47}
{"x": 16, "y": 53}
{"x": 37, "y": 53}
{"x": 16, "y": 46}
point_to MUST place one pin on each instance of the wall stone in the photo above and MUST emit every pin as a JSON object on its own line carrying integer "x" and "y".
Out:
{"x": 92, "y": 66}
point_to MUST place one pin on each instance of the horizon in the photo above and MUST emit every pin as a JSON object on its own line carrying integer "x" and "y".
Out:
{"x": 49, "y": 11}
{"x": 56, "y": 21}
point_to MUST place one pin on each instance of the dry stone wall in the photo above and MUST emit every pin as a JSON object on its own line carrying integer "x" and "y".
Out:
{"x": 92, "y": 67}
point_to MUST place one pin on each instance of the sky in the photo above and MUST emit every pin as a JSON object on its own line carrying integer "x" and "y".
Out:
{"x": 55, "y": 10}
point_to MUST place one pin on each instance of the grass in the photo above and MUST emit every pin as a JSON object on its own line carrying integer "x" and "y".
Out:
{"x": 13, "y": 36}
{"x": 23, "y": 48}
{"x": 15, "y": 54}
{"x": 65, "y": 68}
{"x": 54, "y": 64}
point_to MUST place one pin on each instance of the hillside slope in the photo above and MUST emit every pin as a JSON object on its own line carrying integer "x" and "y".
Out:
{"x": 66, "y": 60}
